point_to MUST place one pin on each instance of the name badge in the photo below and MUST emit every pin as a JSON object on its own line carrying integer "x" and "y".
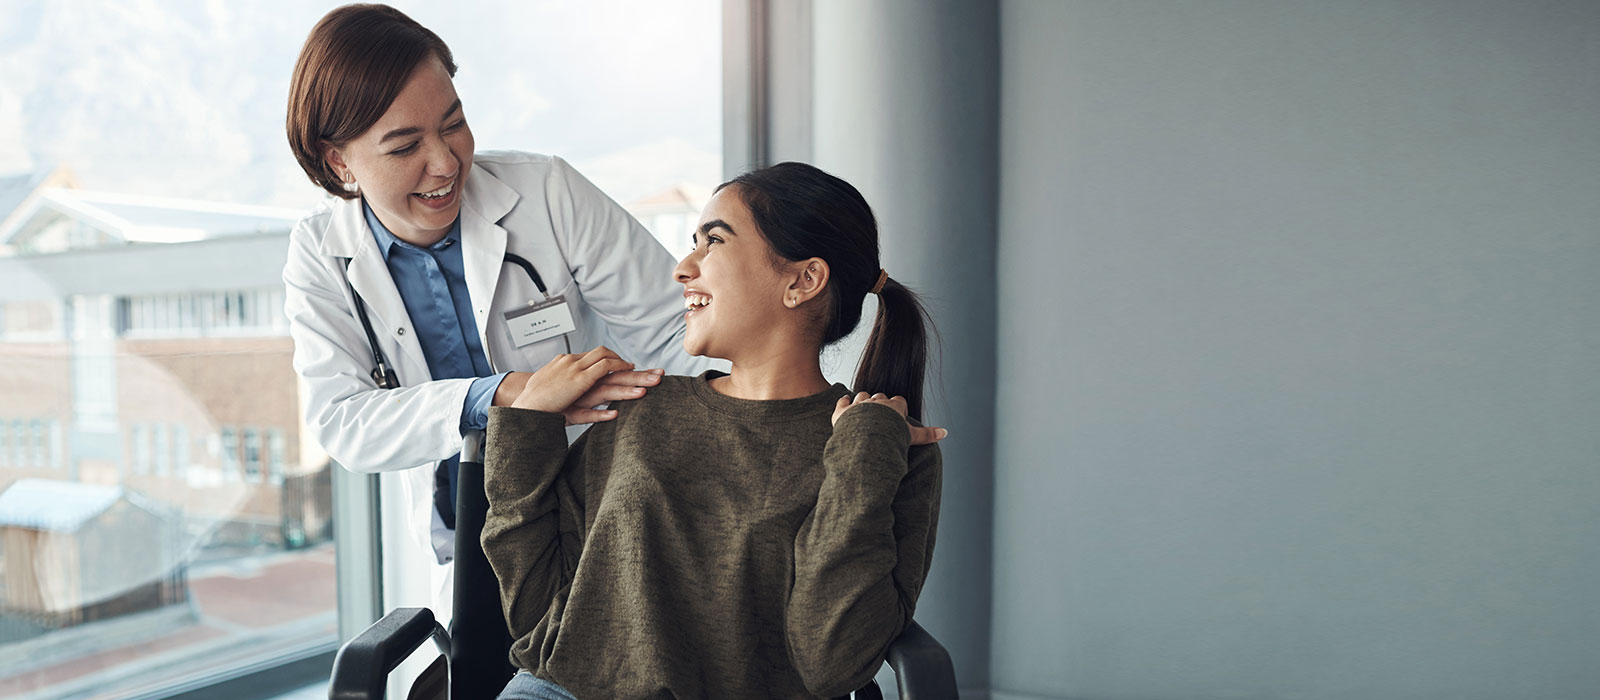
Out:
{"x": 541, "y": 320}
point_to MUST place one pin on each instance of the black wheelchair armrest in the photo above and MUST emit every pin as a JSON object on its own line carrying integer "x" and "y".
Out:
{"x": 361, "y": 668}
{"x": 922, "y": 667}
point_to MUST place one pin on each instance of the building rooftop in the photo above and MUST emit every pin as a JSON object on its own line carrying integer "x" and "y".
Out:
{"x": 15, "y": 188}
{"x": 141, "y": 219}
{"x": 55, "y": 506}
{"x": 20, "y": 190}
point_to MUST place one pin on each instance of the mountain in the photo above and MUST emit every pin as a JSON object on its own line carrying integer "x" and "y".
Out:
{"x": 186, "y": 98}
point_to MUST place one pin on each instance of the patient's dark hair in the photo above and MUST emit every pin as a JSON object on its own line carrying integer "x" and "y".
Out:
{"x": 806, "y": 213}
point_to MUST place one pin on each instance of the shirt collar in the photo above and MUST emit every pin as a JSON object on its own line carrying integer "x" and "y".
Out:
{"x": 387, "y": 241}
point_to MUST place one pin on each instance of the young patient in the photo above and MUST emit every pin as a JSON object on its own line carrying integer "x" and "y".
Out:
{"x": 754, "y": 534}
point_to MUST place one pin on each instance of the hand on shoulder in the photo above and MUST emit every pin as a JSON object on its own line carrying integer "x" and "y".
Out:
{"x": 920, "y": 435}
{"x": 573, "y": 385}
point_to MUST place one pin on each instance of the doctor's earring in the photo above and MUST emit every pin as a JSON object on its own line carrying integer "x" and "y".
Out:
{"x": 350, "y": 183}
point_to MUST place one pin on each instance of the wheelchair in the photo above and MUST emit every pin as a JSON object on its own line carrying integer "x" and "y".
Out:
{"x": 474, "y": 661}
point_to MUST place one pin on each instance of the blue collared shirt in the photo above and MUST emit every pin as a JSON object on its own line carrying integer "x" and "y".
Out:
{"x": 433, "y": 284}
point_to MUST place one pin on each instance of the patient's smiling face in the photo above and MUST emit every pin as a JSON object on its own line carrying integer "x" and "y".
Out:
{"x": 733, "y": 292}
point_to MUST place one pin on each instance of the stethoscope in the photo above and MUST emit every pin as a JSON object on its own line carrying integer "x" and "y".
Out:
{"x": 382, "y": 373}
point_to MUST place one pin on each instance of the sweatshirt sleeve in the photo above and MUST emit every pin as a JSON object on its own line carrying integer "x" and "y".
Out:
{"x": 863, "y": 553}
{"x": 532, "y": 535}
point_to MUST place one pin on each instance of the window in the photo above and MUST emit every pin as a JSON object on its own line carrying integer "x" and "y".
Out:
{"x": 148, "y": 365}
{"x": 19, "y": 443}
{"x": 186, "y": 314}
{"x": 275, "y": 454}
{"x": 140, "y": 449}
{"x": 230, "y": 455}
{"x": 252, "y": 456}
{"x": 161, "y": 458}
{"x": 41, "y": 449}
{"x": 180, "y": 451}
{"x": 256, "y": 311}
{"x": 159, "y": 316}
{"x": 57, "y": 448}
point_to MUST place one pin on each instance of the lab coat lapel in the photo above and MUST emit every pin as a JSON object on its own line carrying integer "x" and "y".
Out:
{"x": 349, "y": 237}
{"x": 484, "y": 201}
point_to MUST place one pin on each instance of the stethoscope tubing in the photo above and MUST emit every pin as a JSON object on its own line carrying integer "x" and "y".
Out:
{"x": 382, "y": 373}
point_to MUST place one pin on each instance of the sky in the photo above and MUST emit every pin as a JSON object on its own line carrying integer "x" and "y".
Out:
{"x": 186, "y": 98}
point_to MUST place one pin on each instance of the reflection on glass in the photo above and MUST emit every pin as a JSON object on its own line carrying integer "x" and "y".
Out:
{"x": 230, "y": 454}
{"x": 275, "y": 455}
{"x": 135, "y": 552}
{"x": 150, "y": 399}
{"x": 252, "y": 456}
{"x": 180, "y": 452}
{"x": 141, "y": 543}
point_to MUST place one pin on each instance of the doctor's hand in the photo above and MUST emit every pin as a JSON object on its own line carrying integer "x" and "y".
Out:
{"x": 920, "y": 434}
{"x": 573, "y": 385}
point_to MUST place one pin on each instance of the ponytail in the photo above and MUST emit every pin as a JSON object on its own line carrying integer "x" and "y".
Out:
{"x": 896, "y": 357}
{"x": 803, "y": 213}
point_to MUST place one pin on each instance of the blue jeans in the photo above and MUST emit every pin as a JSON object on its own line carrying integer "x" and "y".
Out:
{"x": 526, "y": 686}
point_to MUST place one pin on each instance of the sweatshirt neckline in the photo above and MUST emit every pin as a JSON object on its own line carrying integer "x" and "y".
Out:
{"x": 752, "y": 409}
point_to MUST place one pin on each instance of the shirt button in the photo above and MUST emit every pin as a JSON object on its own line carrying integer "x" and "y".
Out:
{"x": 402, "y": 331}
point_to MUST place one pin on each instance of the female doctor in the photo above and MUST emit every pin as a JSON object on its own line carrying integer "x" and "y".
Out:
{"x": 440, "y": 278}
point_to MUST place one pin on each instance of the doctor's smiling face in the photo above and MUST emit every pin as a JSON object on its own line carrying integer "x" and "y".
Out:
{"x": 411, "y": 164}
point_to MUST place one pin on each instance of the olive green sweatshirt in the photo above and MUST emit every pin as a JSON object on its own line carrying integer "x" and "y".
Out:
{"x": 704, "y": 546}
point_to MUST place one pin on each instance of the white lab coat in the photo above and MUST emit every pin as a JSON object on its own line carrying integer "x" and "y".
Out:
{"x": 614, "y": 274}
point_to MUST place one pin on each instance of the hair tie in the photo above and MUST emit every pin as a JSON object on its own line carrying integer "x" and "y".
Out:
{"x": 882, "y": 277}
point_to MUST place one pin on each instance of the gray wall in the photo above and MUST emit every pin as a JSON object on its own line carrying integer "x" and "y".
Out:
{"x": 1299, "y": 350}
{"x": 905, "y": 107}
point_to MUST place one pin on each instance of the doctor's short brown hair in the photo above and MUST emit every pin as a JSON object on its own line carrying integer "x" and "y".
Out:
{"x": 352, "y": 67}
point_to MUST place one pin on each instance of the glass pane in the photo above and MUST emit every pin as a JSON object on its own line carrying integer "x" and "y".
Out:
{"x": 140, "y": 450}
{"x": 275, "y": 454}
{"x": 230, "y": 453}
{"x": 252, "y": 456}
{"x": 18, "y": 444}
{"x": 180, "y": 451}
{"x": 151, "y": 398}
